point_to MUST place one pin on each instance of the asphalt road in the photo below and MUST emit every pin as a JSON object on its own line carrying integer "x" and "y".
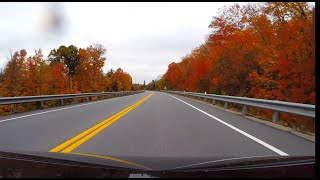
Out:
{"x": 153, "y": 125}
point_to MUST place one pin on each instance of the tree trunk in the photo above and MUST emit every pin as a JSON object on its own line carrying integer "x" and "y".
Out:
{"x": 40, "y": 83}
{"x": 70, "y": 80}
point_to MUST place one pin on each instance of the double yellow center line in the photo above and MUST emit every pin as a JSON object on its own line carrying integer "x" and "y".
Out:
{"x": 81, "y": 138}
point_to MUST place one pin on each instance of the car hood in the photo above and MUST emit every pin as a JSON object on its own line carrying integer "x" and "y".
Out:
{"x": 45, "y": 164}
{"x": 147, "y": 163}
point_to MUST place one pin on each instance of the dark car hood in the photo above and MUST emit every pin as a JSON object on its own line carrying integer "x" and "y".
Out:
{"x": 147, "y": 163}
{"x": 46, "y": 164}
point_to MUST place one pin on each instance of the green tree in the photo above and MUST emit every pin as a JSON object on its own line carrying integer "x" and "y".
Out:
{"x": 69, "y": 56}
{"x": 110, "y": 73}
{"x": 1, "y": 75}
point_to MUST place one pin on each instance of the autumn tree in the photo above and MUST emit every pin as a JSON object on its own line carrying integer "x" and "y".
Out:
{"x": 1, "y": 75}
{"x": 15, "y": 74}
{"x": 67, "y": 55}
{"x": 66, "y": 70}
{"x": 122, "y": 81}
{"x": 137, "y": 87}
{"x": 96, "y": 61}
{"x": 58, "y": 82}
{"x": 261, "y": 50}
{"x": 160, "y": 83}
{"x": 37, "y": 73}
{"x": 151, "y": 85}
{"x": 89, "y": 72}
{"x": 1, "y": 82}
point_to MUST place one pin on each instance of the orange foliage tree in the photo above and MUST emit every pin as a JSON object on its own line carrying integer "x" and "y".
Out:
{"x": 35, "y": 75}
{"x": 122, "y": 81}
{"x": 261, "y": 50}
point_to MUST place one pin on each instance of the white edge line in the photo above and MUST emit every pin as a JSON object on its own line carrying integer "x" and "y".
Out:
{"x": 219, "y": 160}
{"x": 19, "y": 117}
{"x": 278, "y": 151}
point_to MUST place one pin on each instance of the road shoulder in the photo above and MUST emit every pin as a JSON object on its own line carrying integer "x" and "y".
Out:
{"x": 270, "y": 124}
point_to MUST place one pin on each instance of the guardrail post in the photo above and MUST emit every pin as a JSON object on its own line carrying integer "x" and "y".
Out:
{"x": 275, "y": 117}
{"x": 213, "y": 101}
{"x": 62, "y": 102}
{"x": 15, "y": 108}
{"x": 244, "y": 110}
{"x": 225, "y": 104}
{"x": 40, "y": 105}
{"x": 76, "y": 100}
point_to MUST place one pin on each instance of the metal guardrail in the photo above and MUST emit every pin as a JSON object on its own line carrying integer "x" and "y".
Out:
{"x": 307, "y": 110}
{"x": 62, "y": 97}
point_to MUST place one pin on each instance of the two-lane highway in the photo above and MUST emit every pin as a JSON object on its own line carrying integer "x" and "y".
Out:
{"x": 150, "y": 124}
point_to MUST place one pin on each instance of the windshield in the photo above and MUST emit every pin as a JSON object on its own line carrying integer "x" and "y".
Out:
{"x": 158, "y": 85}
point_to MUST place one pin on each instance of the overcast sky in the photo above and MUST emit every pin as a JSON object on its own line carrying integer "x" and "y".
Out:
{"x": 141, "y": 38}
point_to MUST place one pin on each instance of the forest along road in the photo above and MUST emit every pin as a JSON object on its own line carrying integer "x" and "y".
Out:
{"x": 149, "y": 124}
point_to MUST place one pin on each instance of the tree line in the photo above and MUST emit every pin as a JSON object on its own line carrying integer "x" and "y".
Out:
{"x": 257, "y": 50}
{"x": 260, "y": 50}
{"x": 67, "y": 69}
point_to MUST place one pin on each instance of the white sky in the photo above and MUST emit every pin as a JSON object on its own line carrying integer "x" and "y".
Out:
{"x": 141, "y": 38}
